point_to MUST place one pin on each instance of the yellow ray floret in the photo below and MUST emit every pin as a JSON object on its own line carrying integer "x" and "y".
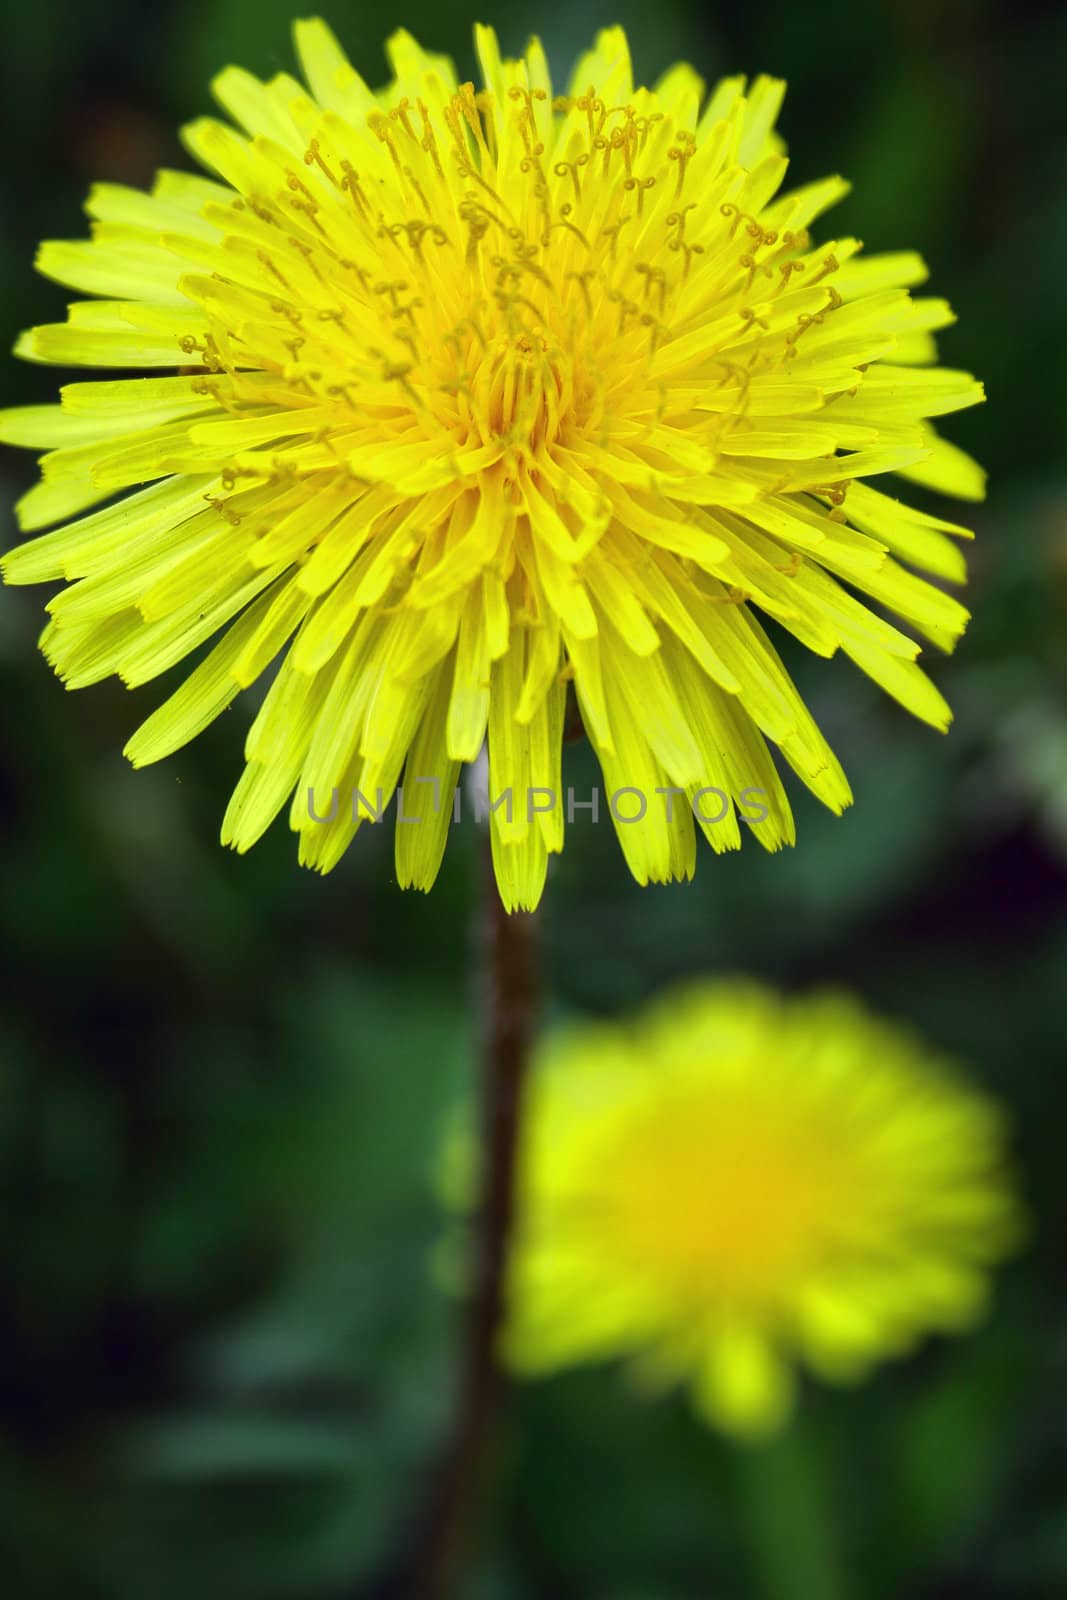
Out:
{"x": 735, "y": 1183}
{"x": 457, "y": 397}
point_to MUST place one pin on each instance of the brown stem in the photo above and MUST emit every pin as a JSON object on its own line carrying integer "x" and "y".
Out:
{"x": 509, "y": 1000}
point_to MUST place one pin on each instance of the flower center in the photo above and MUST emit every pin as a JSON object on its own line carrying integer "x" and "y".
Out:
{"x": 740, "y": 1202}
{"x": 522, "y": 389}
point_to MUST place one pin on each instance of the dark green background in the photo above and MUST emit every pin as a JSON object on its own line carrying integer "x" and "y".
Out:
{"x": 222, "y": 1080}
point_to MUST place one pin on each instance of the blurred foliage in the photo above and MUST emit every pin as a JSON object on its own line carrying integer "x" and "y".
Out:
{"x": 221, "y": 1080}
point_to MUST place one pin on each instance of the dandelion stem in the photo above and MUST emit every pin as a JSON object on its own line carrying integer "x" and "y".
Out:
{"x": 509, "y": 1000}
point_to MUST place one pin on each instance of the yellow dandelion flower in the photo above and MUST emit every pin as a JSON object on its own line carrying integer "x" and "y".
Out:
{"x": 736, "y": 1182}
{"x": 479, "y": 393}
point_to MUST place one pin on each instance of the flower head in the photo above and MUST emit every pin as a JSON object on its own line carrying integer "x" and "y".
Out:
{"x": 736, "y": 1181}
{"x": 480, "y": 393}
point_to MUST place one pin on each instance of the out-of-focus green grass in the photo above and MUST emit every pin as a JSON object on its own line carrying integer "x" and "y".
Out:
{"x": 221, "y": 1080}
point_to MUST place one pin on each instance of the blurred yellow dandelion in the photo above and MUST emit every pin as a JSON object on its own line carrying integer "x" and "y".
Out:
{"x": 736, "y": 1182}
{"x": 480, "y": 392}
